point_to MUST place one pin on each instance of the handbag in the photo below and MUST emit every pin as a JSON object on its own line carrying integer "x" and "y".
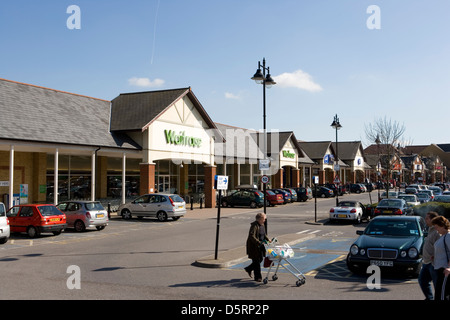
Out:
{"x": 267, "y": 262}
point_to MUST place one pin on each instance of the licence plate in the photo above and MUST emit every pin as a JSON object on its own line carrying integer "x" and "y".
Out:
{"x": 100, "y": 215}
{"x": 180, "y": 207}
{"x": 54, "y": 219}
{"x": 382, "y": 263}
{"x": 342, "y": 216}
{"x": 387, "y": 211}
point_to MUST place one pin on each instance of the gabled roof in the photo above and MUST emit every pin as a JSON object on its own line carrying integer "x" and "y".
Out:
{"x": 136, "y": 111}
{"x": 316, "y": 150}
{"x": 37, "y": 114}
{"x": 347, "y": 150}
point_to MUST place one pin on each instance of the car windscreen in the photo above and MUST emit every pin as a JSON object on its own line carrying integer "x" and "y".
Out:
{"x": 390, "y": 203}
{"x": 2, "y": 210}
{"x": 270, "y": 193}
{"x": 408, "y": 198}
{"x": 49, "y": 211}
{"x": 347, "y": 204}
{"x": 400, "y": 228}
{"x": 94, "y": 206}
{"x": 176, "y": 198}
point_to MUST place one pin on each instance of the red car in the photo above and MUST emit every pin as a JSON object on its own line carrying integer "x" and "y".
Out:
{"x": 35, "y": 219}
{"x": 274, "y": 198}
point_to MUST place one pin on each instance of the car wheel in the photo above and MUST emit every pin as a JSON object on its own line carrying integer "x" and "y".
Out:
{"x": 79, "y": 226}
{"x": 126, "y": 214}
{"x": 3, "y": 240}
{"x": 175, "y": 218}
{"x": 358, "y": 219}
{"x": 32, "y": 232}
{"x": 224, "y": 204}
{"x": 253, "y": 204}
{"x": 100, "y": 228}
{"x": 57, "y": 233}
{"x": 162, "y": 216}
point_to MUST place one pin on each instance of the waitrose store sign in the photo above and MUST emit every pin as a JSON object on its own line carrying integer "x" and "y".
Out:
{"x": 181, "y": 139}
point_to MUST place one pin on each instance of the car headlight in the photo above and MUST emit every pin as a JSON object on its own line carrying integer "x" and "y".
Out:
{"x": 403, "y": 254}
{"x": 412, "y": 252}
{"x": 354, "y": 249}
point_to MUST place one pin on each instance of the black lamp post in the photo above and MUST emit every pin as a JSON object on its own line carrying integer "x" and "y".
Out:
{"x": 260, "y": 77}
{"x": 378, "y": 142}
{"x": 337, "y": 126}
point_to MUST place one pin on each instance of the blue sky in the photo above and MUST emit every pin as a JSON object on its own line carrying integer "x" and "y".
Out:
{"x": 322, "y": 54}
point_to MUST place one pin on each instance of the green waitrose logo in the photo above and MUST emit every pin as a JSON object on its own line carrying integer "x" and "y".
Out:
{"x": 288, "y": 154}
{"x": 181, "y": 139}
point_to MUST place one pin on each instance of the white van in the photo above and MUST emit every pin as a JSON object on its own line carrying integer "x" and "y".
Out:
{"x": 4, "y": 225}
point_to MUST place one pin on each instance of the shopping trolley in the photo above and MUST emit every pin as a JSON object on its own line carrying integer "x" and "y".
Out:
{"x": 279, "y": 254}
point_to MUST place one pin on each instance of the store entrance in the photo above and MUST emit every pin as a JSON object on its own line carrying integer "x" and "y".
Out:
{"x": 164, "y": 183}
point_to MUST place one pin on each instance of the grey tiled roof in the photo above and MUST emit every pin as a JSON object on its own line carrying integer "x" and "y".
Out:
{"x": 37, "y": 114}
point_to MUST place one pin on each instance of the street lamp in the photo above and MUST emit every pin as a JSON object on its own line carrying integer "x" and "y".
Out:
{"x": 337, "y": 126}
{"x": 378, "y": 142}
{"x": 260, "y": 77}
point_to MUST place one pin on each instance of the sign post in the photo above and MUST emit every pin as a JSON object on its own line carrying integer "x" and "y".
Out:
{"x": 315, "y": 181}
{"x": 220, "y": 183}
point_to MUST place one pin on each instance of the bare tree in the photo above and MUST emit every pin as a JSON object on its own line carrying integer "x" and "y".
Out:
{"x": 387, "y": 133}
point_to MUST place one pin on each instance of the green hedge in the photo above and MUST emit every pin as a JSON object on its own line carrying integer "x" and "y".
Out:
{"x": 441, "y": 208}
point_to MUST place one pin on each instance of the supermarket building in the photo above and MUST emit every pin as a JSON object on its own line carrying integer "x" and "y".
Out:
{"x": 158, "y": 141}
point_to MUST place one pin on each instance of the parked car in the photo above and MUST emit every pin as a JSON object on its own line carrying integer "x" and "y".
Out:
{"x": 157, "y": 205}
{"x": 357, "y": 188}
{"x": 303, "y": 194}
{"x": 392, "y": 194}
{"x": 411, "y": 199}
{"x": 436, "y": 190}
{"x": 252, "y": 198}
{"x": 336, "y": 190}
{"x": 35, "y": 219}
{"x": 84, "y": 214}
{"x": 4, "y": 225}
{"x": 392, "y": 206}
{"x": 274, "y": 198}
{"x": 430, "y": 192}
{"x": 442, "y": 198}
{"x": 391, "y": 242}
{"x": 286, "y": 195}
{"x": 323, "y": 192}
{"x": 423, "y": 197}
{"x": 292, "y": 192}
{"x": 410, "y": 190}
{"x": 349, "y": 210}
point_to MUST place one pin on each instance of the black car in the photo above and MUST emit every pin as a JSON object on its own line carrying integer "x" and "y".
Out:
{"x": 390, "y": 242}
{"x": 339, "y": 190}
{"x": 251, "y": 198}
{"x": 303, "y": 194}
{"x": 356, "y": 188}
{"x": 322, "y": 192}
{"x": 393, "y": 206}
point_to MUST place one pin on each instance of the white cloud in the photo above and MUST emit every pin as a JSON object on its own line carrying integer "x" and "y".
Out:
{"x": 145, "y": 82}
{"x": 233, "y": 96}
{"x": 297, "y": 79}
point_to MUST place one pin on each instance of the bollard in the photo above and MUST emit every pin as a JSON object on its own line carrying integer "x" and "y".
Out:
{"x": 201, "y": 202}
{"x": 109, "y": 210}
{"x": 192, "y": 203}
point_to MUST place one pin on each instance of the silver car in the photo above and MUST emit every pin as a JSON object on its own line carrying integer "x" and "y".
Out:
{"x": 84, "y": 214}
{"x": 158, "y": 205}
{"x": 4, "y": 225}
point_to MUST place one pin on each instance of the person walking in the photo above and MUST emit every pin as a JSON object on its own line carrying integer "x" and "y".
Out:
{"x": 442, "y": 257}
{"x": 255, "y": 247}
{"x": 427, "y": 273}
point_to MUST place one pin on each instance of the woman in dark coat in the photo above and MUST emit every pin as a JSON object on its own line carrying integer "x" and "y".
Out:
{"x": 255, "y": 248}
